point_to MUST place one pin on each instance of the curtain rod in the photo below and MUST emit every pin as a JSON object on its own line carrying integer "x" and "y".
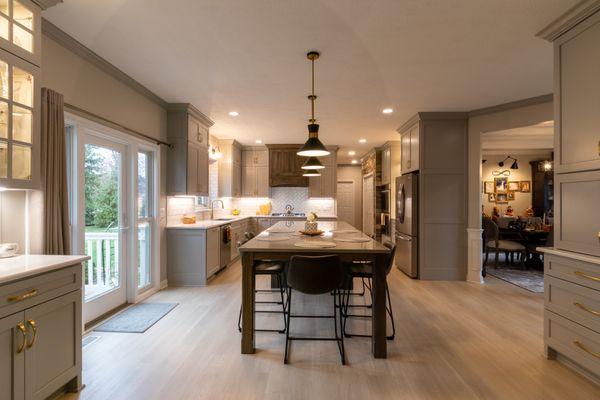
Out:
{"x": 97, "y": 118}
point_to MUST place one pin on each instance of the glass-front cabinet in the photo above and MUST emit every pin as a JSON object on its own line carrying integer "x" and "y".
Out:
{"x": 19, "y": 123}
{"x": 20, "y": 24}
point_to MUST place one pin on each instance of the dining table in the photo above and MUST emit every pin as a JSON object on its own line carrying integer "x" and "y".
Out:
{"x": 284, "y": 239}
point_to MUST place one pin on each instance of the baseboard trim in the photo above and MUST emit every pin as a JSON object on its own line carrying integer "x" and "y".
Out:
{"x": 163, "y": 284}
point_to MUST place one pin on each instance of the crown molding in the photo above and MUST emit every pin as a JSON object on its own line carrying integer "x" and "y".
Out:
{"x": 45, "y": 4}
{"x": 569, "y": 19}
{"x": 432, "y": 116}
{"x": 547, "y": 98}
{"x": 70, "y": 43}
{"x": 190, "y": 109}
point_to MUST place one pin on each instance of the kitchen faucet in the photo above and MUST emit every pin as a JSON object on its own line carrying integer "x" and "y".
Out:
{"x": 212, "y": 207}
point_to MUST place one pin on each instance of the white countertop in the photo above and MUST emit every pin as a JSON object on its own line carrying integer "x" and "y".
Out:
{"x": 212, "y": 223}
{"x": 570, "y": 254}
{"x": 23, "y": 266}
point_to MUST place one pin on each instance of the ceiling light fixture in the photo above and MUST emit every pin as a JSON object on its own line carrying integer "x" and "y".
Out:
{"x": 362, "y": 141}
{"x": 233, "y": 113}
{"x": 312, "y": 163}
{"x": 354, "y": 161}
{"x": 514, "y": 165}
{"x": 258, "y": 141}
{"x": 351, "y": 153}
{"x": 387, "y": 111}
{"x": 313, "y": 146}
{"x": 311, "y": 172}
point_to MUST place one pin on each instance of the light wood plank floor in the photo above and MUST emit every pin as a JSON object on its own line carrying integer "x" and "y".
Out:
{"x": 455, "y": 340}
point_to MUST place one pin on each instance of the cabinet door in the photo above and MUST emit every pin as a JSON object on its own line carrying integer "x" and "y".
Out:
{"x": 314, "y": 185}
{"x": 328, "y": 182}
{"x": 577, "y": 216}
{"x": 12, "y": 364}
{"x": 213, "y": 242}
{"x": 248, "y": 181}
{"x": 193, "y": 162}
{"x": 247, "y": 157}
{"x": 405, "y": 152}
{"x": 53, "y": 357}
{"x": 385, "y": 166}
{"x": 197, "y": 132}
{"x": 261, "y": 158}
{"x": 203, "y": 171}
{"x": 236, "y": 180}
{"x": 262, "y": 181}
{"x": 414, "y": 148}
{"x": 578, "y": 96}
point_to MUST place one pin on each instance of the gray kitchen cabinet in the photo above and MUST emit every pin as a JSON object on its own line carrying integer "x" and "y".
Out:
{"x": 238, "y": 232}
{"x": 40, "y": 334}
{"x": 230, "y": 169}
{"x": 12, "y": 363}
{"x": 410, "y": 149}
{"x": 255, "y": 172}
{"x": 577, "y": 98}
{"x": 193, "y": 256}
{"x": 326, "y": 184}
{"x": 187, "y": 158}
{"x": 386, "y": 165}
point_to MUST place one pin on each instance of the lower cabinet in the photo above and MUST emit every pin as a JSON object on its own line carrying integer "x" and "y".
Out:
{"x": 40, "y": 348}
{"x": 193, "y": 256}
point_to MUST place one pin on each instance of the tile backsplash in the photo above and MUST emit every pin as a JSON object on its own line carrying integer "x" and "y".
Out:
{"x": 297, "y": 197}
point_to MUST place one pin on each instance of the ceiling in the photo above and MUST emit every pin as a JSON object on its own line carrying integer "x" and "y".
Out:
{"x": 519, "y": 140}
{"x": 249, "y": 57}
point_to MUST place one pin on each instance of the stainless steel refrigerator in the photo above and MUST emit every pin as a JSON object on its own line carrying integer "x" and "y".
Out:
{"x": 407, "y": 224}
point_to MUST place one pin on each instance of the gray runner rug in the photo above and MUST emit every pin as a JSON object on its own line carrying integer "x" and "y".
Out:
{"x": 532, "y": 280}
{"x": 137, "y": 318}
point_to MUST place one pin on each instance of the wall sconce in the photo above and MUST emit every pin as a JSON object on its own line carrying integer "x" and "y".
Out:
{"x": 214, "y": 153}
{"x": 547, "y": 165}
{"x": 514, "y": 165}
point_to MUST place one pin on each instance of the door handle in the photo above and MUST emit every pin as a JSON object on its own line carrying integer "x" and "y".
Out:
{"x": 23, "y": 330}
{"x": 34, "y": 329}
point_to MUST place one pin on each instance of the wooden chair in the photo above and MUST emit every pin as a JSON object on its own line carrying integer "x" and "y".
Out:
{"x": 493, "y": 242}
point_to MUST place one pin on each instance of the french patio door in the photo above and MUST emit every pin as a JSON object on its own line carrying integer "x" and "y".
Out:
{"x": 104, "y": 230}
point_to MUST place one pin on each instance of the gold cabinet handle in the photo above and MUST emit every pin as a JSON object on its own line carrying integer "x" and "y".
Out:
{"x": 584, "y": 275}
{"x": 23, "y": 330}
{"x": 21, "y": 297}
{"x": 34, "y": 329}
{"x": 584, "y": 308}
{"x": 582, "y": 347}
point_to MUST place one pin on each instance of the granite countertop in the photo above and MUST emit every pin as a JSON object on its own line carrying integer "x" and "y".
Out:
{"x": 23, "y": 266}
{"x": 208, "y": 223}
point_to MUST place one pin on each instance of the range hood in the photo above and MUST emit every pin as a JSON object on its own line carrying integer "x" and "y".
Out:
{"x": 285, "y": 166}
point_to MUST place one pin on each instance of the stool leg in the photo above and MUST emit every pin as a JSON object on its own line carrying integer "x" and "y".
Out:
{"x": 240, "y": 320}
{"x": 390, "y": 312}
{"x": 287, "y": 331}
{"x": 280, "y": 283}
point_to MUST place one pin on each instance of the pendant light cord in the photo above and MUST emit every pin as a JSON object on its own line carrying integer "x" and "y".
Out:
{"x": 312, "y": 96}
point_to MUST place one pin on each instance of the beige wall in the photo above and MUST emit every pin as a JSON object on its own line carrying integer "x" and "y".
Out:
{"x": 522, "y": 200}
{"x": 353, "y": 173}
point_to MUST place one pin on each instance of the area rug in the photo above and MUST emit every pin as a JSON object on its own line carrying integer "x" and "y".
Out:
{"x": 137, "y": 318}
{"x": 532, "y": 280}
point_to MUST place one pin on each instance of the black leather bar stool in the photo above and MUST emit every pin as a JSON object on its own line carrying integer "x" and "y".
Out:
{"x": 272, "y": 269}
{"x": 315, "y": 275}
{"x": 365, "y": 271}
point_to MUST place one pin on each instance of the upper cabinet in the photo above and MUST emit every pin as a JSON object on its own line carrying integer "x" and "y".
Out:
{"x": 390, "y": 162}
{"x": 285, "y": 166}
{"x": 577, "y": 97}
{"x": 255, "y": 172}
{"x": 19, "y": 123}
{"x": 230, "y": 169}
{"x": 20, "y": 29}
{"x": 326, "y": 184}
{"x": 187, "y": 162}
{"x": 409, "y": 148}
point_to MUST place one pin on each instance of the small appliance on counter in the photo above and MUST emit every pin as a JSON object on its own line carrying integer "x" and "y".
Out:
{"x": 8, "y": 250}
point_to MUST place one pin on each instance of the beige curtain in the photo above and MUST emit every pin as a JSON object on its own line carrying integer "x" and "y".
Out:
{"x": 54, "y": 174}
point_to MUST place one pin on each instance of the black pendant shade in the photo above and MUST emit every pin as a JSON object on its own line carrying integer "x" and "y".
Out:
{"x": 311, "y": 172}
{"x": 514, "y": 165}
{"x": 312, "y": 163}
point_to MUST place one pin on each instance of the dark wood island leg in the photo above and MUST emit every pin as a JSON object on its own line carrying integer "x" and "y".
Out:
{"x": 379, "y": 319}
{"x": 248, "y": 286}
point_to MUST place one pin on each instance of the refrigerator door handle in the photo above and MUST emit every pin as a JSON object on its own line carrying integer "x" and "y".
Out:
{"x": 405, "y": 238}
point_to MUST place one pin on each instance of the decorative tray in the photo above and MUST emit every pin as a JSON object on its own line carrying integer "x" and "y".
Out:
{"x": 316, "y": 233}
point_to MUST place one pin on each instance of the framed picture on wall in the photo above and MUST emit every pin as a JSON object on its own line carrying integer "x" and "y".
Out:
{"x": 488, "y": 187}
{"x": 514, "y": 186}
{"x": 525, "y": 186}
{"x": 501, "y": 184}
{"x": 510, "y": 196}
{"x": 501, "y": 198}
{"x": 492, "y": 197}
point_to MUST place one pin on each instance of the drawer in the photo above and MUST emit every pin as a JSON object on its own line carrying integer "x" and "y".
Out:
{"x": 573, "y": 301}
{"x": 572, "y": 340}
{"x": 572, "y": 270}
{"x": 28, "y": 292}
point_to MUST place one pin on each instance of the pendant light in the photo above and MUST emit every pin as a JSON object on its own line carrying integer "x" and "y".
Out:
{"x": 311, "y": 172}
{"x": 313, "y": 146}
{"x": 312, "y": 163}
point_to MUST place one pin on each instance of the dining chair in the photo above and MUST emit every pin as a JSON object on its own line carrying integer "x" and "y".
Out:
{"x": 315, "y": 275}
{"x": 276, "y": 270}
{"x": 365, "y": 271}
{"x": 493, "y": 242}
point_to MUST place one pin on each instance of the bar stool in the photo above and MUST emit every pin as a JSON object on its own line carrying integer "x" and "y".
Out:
{"x": 365, "y": 271}
{"x": 315, "y": 275}
{"x": 273, "y": 269}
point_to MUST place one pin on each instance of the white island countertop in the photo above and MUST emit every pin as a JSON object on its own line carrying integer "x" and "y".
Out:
{"x": 24, "y": 266}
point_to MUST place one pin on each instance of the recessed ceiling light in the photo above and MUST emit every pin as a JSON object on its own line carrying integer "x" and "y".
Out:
{"x": 354, "y": 161}
{"x": 233, "y": 113}
{"x": 387, "y": 111}
{"x": 258, "y": 141}
{"x": 362, "y": 141}
{"x": 351, "y": 153}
